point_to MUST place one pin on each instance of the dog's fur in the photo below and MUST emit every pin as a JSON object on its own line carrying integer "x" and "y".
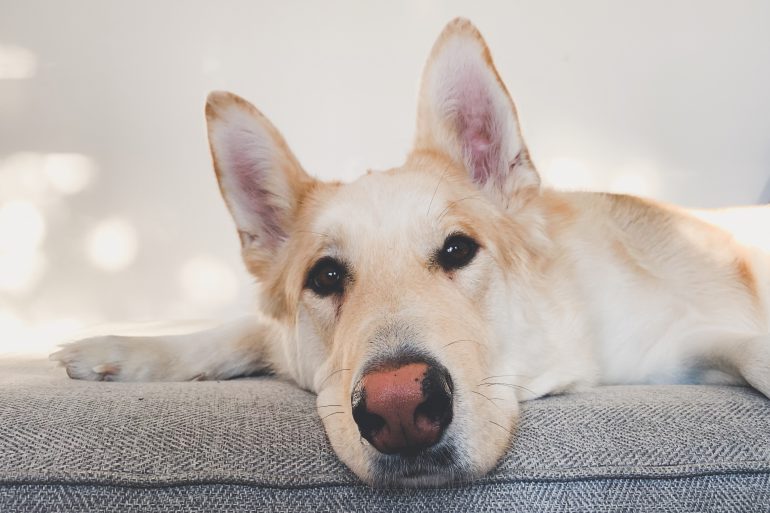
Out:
{"x": 568, "y": 290}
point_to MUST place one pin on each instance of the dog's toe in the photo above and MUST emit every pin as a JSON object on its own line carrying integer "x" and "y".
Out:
{"x": 91, "y": 359}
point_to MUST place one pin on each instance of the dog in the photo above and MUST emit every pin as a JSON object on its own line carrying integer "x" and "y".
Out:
{"x": 423, "y": 303}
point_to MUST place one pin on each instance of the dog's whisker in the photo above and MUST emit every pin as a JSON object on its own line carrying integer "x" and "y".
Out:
{"x": 501, "y": 427}
{"x": 485, "y": 397}
{"x": 506, "y": 376}
{"x": 330, "y": 414}
{"x": 314, "y": 233}
{"x": 455, "y": 202}
{"x": 316, "y": 408}
{"x": 440, "y": 179}
{"x": 330, "y": 375}
{"x": 509, "y": 385}
{"x": 464, "y": 340}
{"x": 307, "y": 411}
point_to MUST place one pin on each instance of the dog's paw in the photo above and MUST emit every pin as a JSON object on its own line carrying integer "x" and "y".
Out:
{"x": 112, "y": 358}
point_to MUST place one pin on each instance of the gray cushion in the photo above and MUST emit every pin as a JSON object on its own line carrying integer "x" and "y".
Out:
{"x": 257, "y": 444}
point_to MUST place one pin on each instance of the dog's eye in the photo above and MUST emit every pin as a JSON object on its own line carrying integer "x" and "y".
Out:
{"x": 326, "y": 277}
{"x": 457, "y": 252}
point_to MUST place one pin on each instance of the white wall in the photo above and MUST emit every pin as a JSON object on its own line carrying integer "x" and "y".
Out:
{"x": 108, "y": 206}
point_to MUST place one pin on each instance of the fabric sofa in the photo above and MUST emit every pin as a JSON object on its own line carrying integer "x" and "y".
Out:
{"x": 257, "y": 445}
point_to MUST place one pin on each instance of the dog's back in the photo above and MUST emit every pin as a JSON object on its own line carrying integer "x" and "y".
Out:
{"x": 647, "y": 273}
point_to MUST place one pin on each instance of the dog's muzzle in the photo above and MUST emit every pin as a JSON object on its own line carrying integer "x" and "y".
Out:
{"x": 403, "y": 408}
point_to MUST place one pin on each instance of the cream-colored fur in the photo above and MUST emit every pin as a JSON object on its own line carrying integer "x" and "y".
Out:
{"x": 568, "y": 290}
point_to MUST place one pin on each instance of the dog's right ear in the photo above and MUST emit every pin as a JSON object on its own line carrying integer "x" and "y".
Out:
{"x": 466, "y": 114}
{"x": 259, "y": 177}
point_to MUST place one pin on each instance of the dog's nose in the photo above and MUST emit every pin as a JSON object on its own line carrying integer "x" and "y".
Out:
{"x": 403, "y": 409}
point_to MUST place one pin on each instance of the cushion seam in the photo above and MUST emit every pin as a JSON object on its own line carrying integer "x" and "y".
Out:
{"x": 140, "y": 480}
{"x": 359, "y": 485}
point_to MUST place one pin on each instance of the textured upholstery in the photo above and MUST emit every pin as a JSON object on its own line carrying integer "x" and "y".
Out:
{"x": 257, "y": 444}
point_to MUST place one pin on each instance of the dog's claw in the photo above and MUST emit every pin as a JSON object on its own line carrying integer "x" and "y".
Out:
{"x": 106, "y": 368}
{"x": 106, "y": 371}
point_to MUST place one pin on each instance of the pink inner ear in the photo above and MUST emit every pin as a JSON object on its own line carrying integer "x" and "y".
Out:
{"x": 251, "y": 171}
{"x": 479, "y": 130}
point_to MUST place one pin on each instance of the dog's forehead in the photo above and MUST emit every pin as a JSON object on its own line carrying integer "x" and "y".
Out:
{"x": 384, "y": 207}
{"x": 382, "y": 200}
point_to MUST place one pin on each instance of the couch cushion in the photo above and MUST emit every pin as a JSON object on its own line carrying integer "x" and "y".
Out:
{"x": 257, "y": 443}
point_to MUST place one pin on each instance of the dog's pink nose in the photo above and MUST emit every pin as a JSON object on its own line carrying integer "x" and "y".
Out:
{"x": 403, "y": 409}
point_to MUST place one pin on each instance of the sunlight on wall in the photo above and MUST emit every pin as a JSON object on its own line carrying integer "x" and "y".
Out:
{"x": 22, "y": 231}
{"x": 569, "y": 174}
{"x": 11, "y": 326}
{"x": 21, "y": 338}
{"x": 747, "y": 225}
{"x": 20, "y": 272}
{"x": 16, "y": 63}
{"x": 30, "y": 183}
{"x": 43, "y": 177}
{"x": 206, "y": 281}
{"x": 21, "y": 176}
{"x": 68, "y": 173}
{"x": 22, "y": 227}
{"x": 638, "y": 179}
{"x": 112, "y": 245}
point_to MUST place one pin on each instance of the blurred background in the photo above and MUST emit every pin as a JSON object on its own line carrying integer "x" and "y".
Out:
{"x": 109, "y": 210}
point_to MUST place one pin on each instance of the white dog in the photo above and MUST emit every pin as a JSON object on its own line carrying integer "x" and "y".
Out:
{"x": 423, "y": 303}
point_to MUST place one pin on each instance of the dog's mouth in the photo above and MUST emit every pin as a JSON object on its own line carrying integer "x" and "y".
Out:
{"x": 436, "y": 466}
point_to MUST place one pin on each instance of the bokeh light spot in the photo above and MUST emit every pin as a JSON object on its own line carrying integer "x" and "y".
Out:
{"x": 22, "y": 230}
{"x": 22, "y": 227}
{"x": 69, "y": 173}
{"x": 17, "y": 63}
{"x": 112, "y": 245}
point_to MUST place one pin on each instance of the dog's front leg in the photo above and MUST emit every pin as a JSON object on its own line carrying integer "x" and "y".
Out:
{"x": 233, "y": 349}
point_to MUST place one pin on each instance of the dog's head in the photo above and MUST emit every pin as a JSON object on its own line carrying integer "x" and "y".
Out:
{"x": 400, "y": 293}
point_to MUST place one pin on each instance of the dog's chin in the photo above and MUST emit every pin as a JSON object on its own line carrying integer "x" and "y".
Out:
{"x": 443, "y": 464}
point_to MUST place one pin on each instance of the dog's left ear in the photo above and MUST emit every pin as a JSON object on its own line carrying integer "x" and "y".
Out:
{"x": 260, "y": 178}
{"x": 466, "y": 113}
